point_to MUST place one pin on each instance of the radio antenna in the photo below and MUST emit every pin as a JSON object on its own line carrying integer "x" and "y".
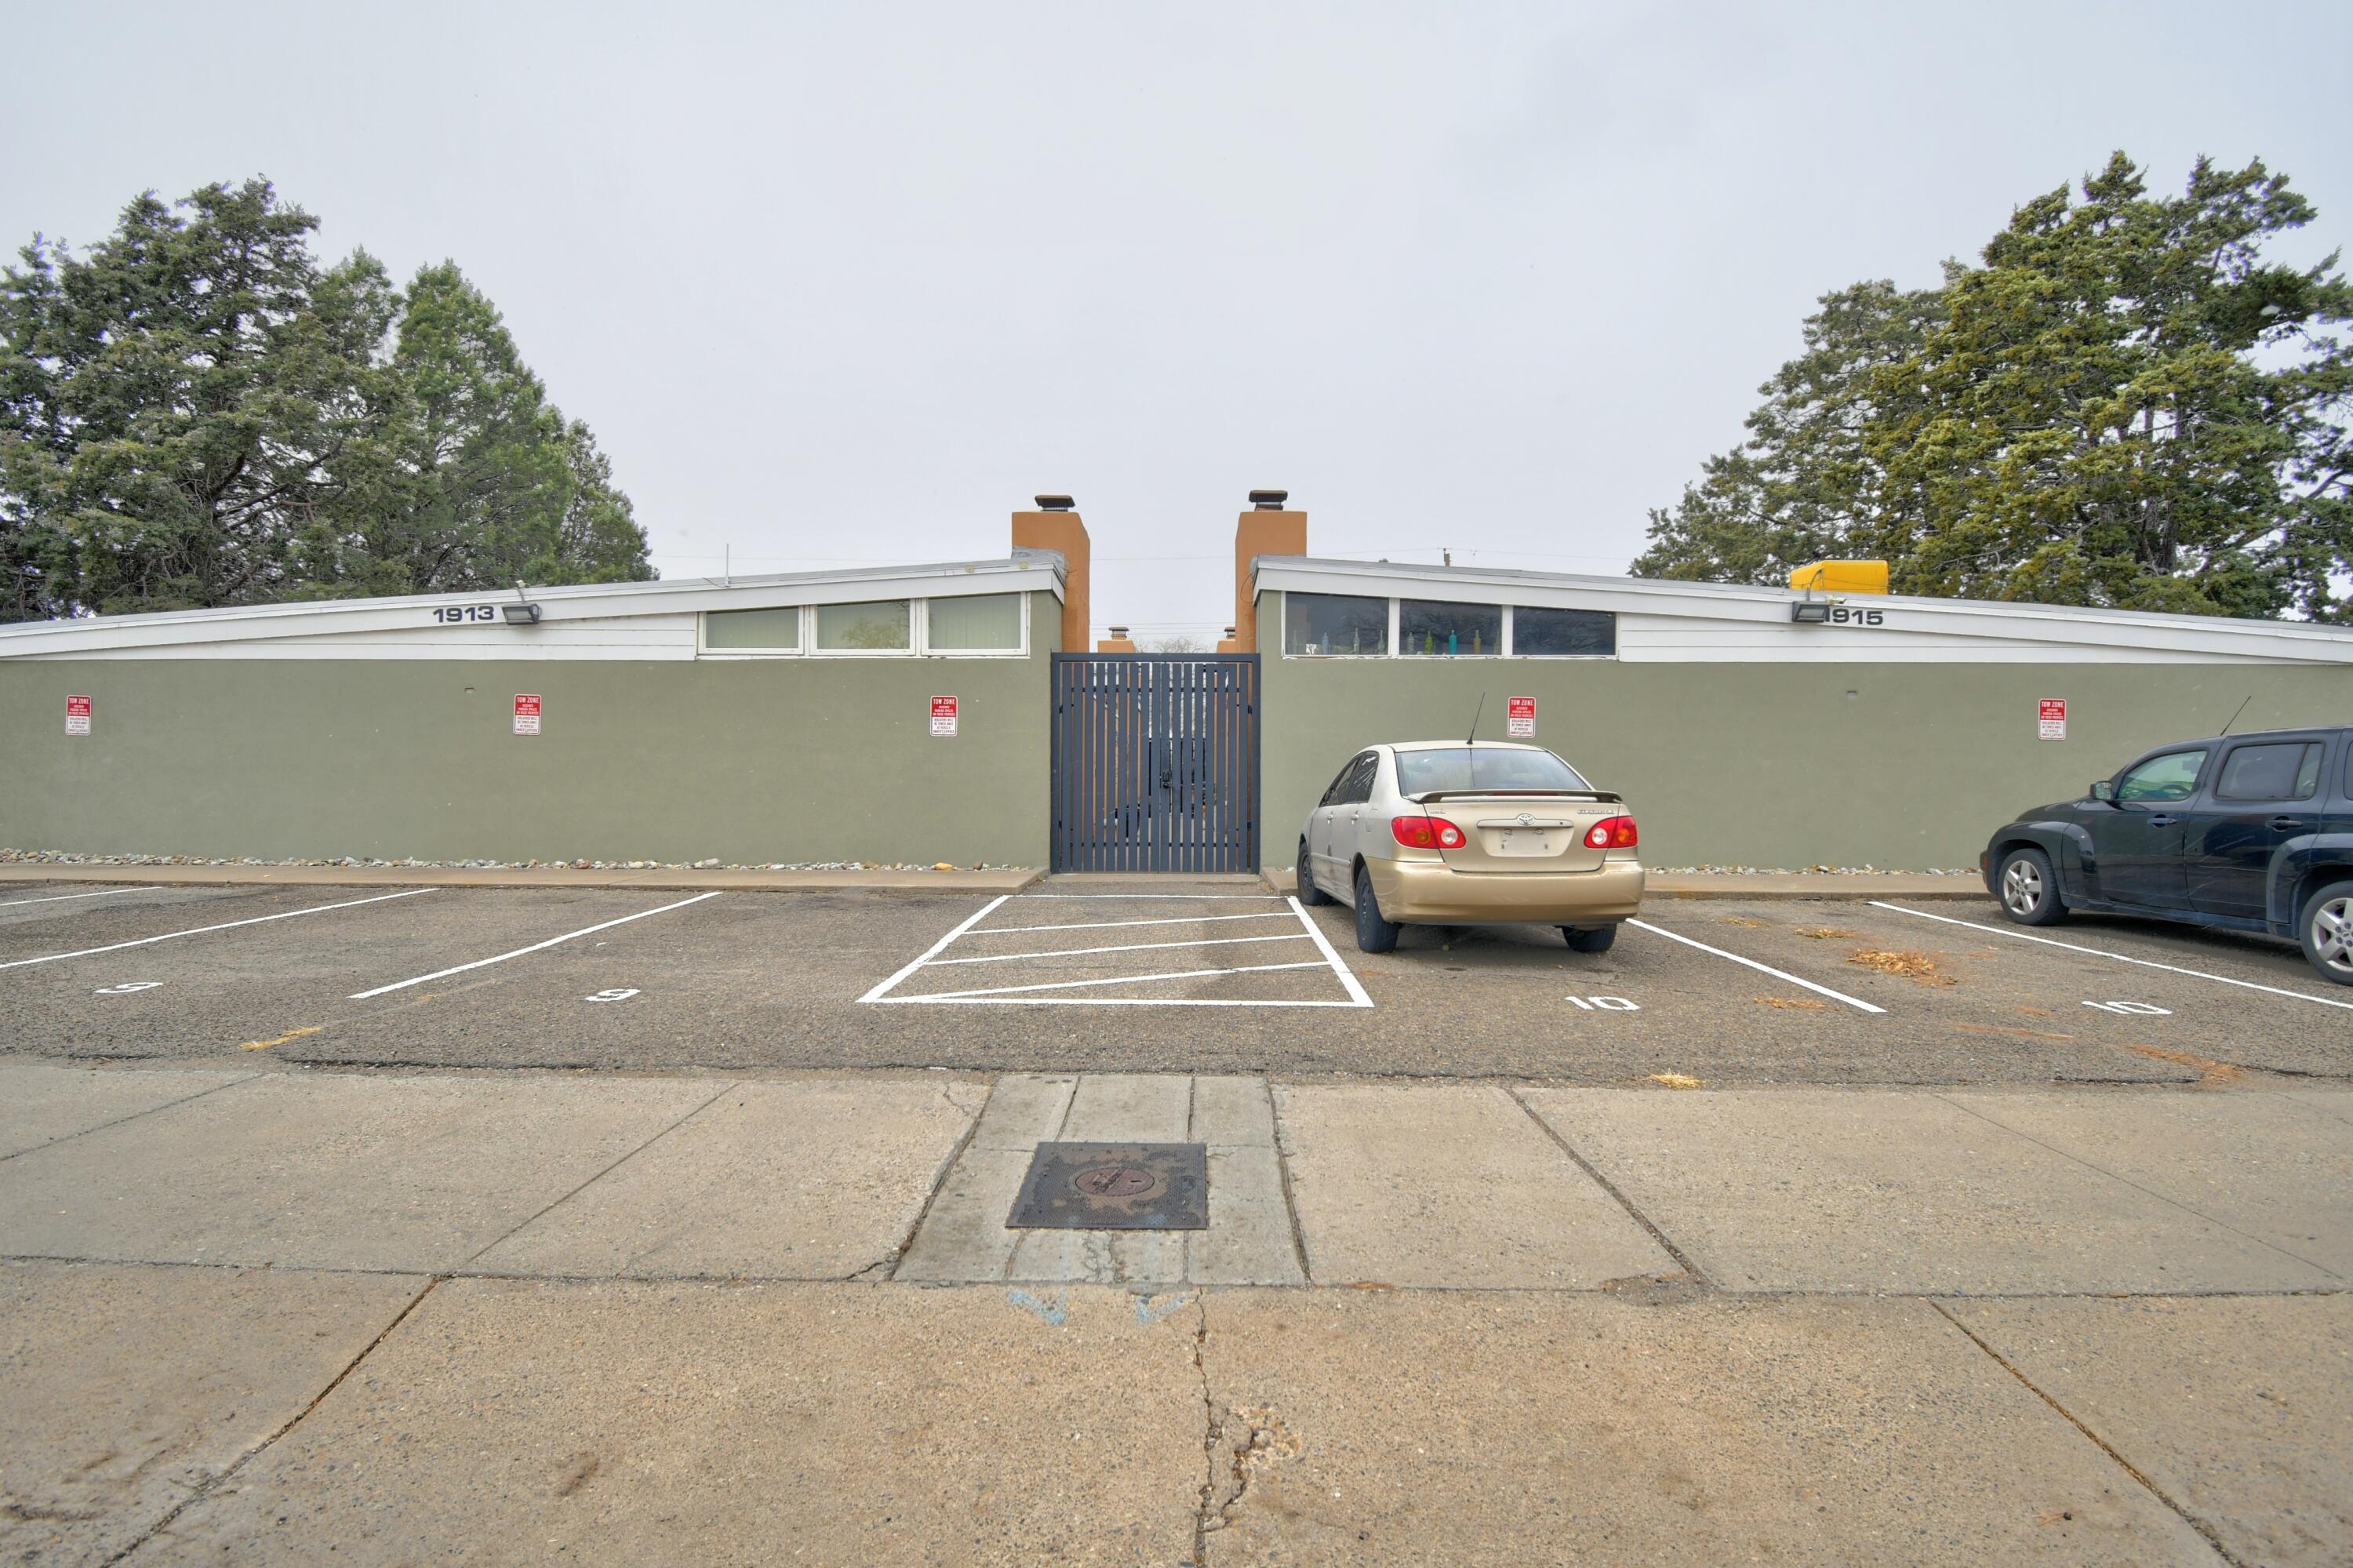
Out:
{"x": 2237, "y": 711}
{"x": 1473, "y": 737}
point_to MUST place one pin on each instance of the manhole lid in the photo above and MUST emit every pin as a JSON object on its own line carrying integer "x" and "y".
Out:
{"x": 1114, "y": 1187}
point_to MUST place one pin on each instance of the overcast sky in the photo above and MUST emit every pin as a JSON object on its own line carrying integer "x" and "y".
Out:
{"x": 848, "y": 283}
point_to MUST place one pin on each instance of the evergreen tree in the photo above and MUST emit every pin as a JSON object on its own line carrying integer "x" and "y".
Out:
{"x": 1805, "y": 484}
{"x": 2126, "y": 404}
{"x": 196, "y": 413}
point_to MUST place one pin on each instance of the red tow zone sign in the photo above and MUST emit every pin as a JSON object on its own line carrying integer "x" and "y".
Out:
{"x": 1520, "y": 723}
{"x": 943, "y": 716}
{"x": 2050, "y": 719}
{"x": 526, "y": 713}
{"x": 76, "y": 716}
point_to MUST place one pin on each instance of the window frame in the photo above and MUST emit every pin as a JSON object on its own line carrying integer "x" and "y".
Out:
{"x": 1020, "y": 648}
{"x": 1508, "y": 648}
{"x": 919, "y": 631}
{"x": 1512, "y": 631}
{"x": 2305, "y": 745}
{"x": 2205, "y": 756}
{"x": 1389, "y": 636}
{"x": 1502, "y": 627}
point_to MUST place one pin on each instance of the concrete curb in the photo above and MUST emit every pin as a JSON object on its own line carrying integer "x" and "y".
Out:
{"x": 966, "y": 882}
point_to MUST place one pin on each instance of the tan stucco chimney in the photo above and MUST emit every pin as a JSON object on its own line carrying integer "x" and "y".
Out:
{"x": 1056, "y": 526}
{"x": 1267, "y": 528}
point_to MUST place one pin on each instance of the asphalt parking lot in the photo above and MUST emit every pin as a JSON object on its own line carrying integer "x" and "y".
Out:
{"x": 1155, "y": 975}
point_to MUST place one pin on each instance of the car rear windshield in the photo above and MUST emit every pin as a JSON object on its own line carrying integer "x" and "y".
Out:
{"x": 1461, "y": 768}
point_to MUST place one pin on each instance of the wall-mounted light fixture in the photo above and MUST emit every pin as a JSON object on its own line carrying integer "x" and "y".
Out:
{"x": 1811, "y": 611}
{"x": 522, "y": 612}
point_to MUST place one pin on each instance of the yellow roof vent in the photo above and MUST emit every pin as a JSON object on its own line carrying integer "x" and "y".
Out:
{"x": 1841, "y": 576}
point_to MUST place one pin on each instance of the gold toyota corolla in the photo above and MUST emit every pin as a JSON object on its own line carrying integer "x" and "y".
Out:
{"x": 1445, "y": 833}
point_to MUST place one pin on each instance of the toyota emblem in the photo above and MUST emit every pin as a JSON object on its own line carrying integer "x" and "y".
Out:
{"x": 1526, "y": 818}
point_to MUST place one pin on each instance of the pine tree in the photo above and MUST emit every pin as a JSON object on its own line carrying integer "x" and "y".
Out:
{"x": 2125, "y": 404}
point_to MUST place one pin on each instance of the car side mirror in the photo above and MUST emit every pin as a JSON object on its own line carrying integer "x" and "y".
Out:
{"x": 2104, "y": 790}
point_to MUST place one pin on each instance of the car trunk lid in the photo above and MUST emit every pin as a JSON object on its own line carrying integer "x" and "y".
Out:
{"x": 1523, "y": 830}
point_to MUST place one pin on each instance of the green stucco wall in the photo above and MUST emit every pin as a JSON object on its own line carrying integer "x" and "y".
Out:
{"x": 1774, "y": 764}
{"x": 750, "y": 761}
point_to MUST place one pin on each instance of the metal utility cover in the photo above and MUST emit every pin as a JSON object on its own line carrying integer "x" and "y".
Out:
{"x": 1115, "y": 1187}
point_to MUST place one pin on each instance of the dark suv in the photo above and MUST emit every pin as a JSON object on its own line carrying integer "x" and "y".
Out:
{"x": 2250, "y": 832}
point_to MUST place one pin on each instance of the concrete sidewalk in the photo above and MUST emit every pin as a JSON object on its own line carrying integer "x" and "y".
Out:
{"x": 278, "y": 1314}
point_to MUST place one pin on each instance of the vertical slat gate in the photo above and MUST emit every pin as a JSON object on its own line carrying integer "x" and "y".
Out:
{"x": 1154, "y": 760}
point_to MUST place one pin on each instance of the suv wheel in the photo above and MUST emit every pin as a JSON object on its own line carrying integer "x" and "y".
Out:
{"x": 1309, "y": 894}
{"x": 1374, "y": 935}
{"x": 2326, "y": 929}
{"x": 2029, "y": 892}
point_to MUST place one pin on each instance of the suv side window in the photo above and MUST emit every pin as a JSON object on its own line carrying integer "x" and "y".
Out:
{"x": 2274, "y": 770}
{"x": 2172, "y": 777}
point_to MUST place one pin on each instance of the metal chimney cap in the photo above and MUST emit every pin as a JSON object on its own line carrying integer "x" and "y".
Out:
{"x": 1269, "y": 500}
{"x": 1055, "y": 502}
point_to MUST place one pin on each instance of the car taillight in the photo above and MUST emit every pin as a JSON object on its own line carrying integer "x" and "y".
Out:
{"x": 1426, "y": 833}
{"x": 1612, "y": 832}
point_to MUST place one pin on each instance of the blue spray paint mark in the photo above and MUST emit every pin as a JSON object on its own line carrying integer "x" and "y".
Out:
{"x": 1053, "y": 1314}
{"x": 1147, "y": 1309}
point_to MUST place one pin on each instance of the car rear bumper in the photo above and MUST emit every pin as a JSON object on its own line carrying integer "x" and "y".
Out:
{"x": 1430, "y": 894}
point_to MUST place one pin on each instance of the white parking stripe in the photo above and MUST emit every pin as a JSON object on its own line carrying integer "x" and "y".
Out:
{"x": 1763, "y": 969}
{"x": 2120, "y": 958}
{"x": 60, "y": 897}
{"x": 225, "y": 925}
{"x": 1128, "y": 980}
{"x": 1107, "y": 925}
{"x": 961, "y": 927}
{"x": 1356, "y": 997}
{"x": 536, "y": 947}
{"x": 1123, "y": 948}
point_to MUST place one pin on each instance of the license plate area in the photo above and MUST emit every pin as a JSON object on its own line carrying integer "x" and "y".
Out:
{"x": 1522, "y": 842}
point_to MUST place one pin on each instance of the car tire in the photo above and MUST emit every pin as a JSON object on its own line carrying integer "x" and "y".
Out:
{"x": 1590, "y": 939}
{"x": 1374, "y": 934}
{"x": 2029, "y": 889}
{"x": 1309, "y": 894}
{"x": 2325, "y": 927}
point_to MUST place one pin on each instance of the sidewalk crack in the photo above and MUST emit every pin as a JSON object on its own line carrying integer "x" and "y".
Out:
{"x": 2206, "y": 1533}
{"x": 211, "y": 1484}
{"x": 939, "y": 1182}
{"x": 2166, "y": 1199}
{"x": 1239, "y": 1444}
{"x": 724, "y": 1090}
{"x": 1691, "y": 1270}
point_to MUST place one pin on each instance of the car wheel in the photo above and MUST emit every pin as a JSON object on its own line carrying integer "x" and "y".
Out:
{"x": 1309, "y": 894}
{"x": 2030, "y": 891}
{"x": 1374, "y": 935}
{"x": 1590, "y": 939}
{"x": 2326, "y": 928}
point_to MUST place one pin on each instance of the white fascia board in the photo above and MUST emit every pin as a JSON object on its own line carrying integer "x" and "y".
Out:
{"x": 2057, "y": 627}
{"x": 603, "y": 601}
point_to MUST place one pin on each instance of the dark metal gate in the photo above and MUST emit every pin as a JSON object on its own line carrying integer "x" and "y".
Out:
{"x": 1155, "y": 762}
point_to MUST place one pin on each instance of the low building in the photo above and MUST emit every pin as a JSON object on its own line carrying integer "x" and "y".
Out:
{"x": 957, "y": 713}
{"x": 893, "y": 716}
{"x": 1878, "y": 730}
